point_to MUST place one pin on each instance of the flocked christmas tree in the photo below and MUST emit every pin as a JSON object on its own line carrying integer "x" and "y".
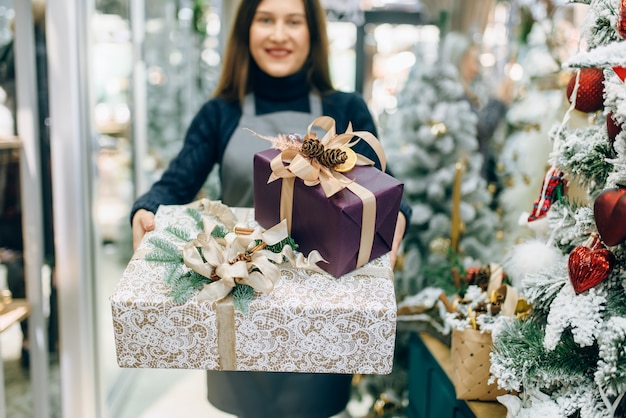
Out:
{"x": 568, "y": 357}
{"x": 432, "y": 133}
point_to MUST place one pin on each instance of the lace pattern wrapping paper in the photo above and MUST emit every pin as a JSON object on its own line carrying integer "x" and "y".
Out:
{"x": 310, "y": 323}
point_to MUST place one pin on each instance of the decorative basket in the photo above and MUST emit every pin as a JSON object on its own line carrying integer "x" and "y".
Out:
{"x": 469, "y": 353}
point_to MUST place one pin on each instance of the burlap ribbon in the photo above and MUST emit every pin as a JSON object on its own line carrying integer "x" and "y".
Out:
{"x": 291, "y": 164}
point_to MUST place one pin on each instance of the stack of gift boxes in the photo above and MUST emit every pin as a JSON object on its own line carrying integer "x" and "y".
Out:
{"x": 335, "y": 315}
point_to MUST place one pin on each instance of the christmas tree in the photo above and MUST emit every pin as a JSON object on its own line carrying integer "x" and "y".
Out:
{"x": 431, "y": 140}
{"x": 568, "y": 357}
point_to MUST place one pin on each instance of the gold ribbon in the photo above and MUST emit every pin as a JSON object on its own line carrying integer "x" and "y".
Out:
{"x": 226, "y": 339}
{"x": 290, "y": 164}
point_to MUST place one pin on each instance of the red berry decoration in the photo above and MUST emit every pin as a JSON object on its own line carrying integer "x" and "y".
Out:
{"x": 589, "y": 97}
{"x": 589, "y": 267}
{"x": 609, "y": 211}
{"x": 612, "y": 128}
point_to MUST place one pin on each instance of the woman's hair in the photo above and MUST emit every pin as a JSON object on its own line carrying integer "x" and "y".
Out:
{"x": 235, "y": 80}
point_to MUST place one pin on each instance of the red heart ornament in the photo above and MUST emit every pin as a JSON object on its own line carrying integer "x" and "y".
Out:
{"x": 588, "y": 268}
{"x": 621, "y": 72}
{"x": 609, "y": 211}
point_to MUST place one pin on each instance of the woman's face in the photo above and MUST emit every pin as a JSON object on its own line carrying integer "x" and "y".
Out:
{"x": 279, "y": 37}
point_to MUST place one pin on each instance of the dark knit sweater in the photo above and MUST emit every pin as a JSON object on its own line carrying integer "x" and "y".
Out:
{"x": 214, "y": 124}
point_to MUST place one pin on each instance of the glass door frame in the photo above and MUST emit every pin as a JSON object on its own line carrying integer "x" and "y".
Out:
{"x": 72, "y": 152}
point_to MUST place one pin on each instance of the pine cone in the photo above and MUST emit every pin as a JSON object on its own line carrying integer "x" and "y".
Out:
{"x": 312, "y": 147}
{"x": 333, "y": 157}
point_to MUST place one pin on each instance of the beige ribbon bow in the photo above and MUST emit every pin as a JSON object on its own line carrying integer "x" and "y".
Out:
{"x": 235, "y": 259}
{"x": 291, "y": 163}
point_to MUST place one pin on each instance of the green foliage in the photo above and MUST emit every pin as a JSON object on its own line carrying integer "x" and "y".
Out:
{"x": 242, "y": 296}
{"x": 615, "y": 298}
{"x": 219, "y": 232}
{"x": 197, "y": 217}
{"x": 441, "y": 275}
{"x": 164, "y": 249}
{"x": 278, "y": 247}
{"x": 178, "y": 232}
{"x": 521, "y": 344}
{"x": 185, "y": 285}
{"x": 172, "y": 274}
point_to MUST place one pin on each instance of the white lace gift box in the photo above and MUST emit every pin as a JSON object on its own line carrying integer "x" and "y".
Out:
{"x": 310, "y": 323}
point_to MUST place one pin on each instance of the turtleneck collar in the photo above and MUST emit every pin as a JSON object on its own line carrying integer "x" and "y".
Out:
{"x": 278, "y": 88}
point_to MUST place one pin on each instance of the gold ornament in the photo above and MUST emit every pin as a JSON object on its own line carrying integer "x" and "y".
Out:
{"x": 350, "y": 161}
{"x": 438, "y": 129}
{"x": 523, "y": 308}
{"x": 439, "y": 246}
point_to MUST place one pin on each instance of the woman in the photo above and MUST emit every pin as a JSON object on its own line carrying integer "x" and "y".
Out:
{"x": 275, "y": 80}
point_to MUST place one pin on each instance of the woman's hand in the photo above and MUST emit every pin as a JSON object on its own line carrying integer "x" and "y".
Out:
{"x": 397, "y": 238}
{"x": 143, "y": 221}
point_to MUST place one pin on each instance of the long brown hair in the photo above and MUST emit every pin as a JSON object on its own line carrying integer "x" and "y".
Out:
{"x": 234, "y": 80}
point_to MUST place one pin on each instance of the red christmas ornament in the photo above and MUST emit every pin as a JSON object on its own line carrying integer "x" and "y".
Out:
{"x": 609, "y": 211}
{"x": 612, "y": 128}
{"x": 621, "y": 20}
{"x": 590, "y": 94}
{"x": 621, "y": 72}
{"x": 589, "y": 267}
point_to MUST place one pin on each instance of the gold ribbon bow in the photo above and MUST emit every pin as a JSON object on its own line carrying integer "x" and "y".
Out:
{"x": 235, "y": 259}
{"x": 291, "y": 164}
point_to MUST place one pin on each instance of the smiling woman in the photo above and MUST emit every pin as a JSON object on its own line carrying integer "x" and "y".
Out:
{"x": 275, "y": 79}
{"x": 279, "y": 37}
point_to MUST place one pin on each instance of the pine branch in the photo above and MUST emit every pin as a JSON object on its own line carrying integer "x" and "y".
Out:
{"x": 278, "y": 247}
{"x": 180, "y": 233}
{"x": 197, "y": 216}
{"x": 219, "y": 232}
{"x": 242, "y": 296}
{"x": 164, "y": 246}
{"x": 518, "y": 351}
{"x": 185, "y": 285}
{"x": 616, "y": 300}
{"x": 173, "y": 273}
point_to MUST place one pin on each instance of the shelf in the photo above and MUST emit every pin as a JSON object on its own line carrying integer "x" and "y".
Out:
{"x": 13, "y": 312}
{"x": 10, "y": 142}
{"x": 441, "y": 354}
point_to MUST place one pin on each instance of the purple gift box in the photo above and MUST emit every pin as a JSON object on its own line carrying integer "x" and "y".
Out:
{"x": 330, "y": 225}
